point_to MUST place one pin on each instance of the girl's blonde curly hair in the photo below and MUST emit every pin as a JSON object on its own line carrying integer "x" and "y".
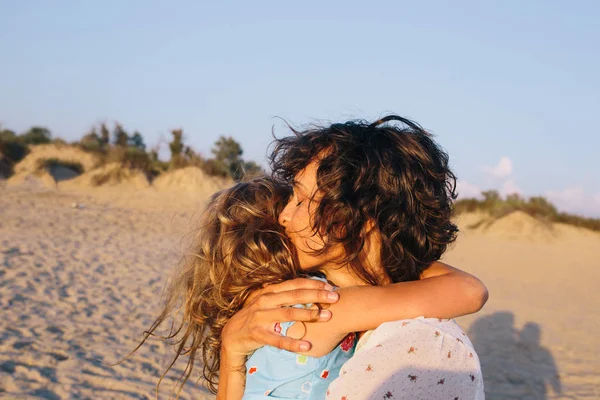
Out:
{"x": 239, "y": 247}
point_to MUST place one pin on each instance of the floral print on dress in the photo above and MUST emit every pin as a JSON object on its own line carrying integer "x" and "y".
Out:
{"x": 301, "y": 359}
{"x": 306, "y": 387}
{"x": 348, "y": 342}
{"x": 438, "y": 358}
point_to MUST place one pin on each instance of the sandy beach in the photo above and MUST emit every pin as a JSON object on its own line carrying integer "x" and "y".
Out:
{"x": 81, "y": 271}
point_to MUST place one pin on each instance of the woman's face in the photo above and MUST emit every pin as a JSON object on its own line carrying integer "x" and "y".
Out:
{"x": 296, "y": 218}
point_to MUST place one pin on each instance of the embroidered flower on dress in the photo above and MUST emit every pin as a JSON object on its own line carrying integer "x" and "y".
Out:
{"x": 301, "y": 359}
{"x": 325, "y": 374}
{"x": 306, "y": 387}
{"x": 252, "y": 370}
{"x": 348, "y": 342}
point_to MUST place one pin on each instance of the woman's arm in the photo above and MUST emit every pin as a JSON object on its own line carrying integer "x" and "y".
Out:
{"x": 442, "y": 292}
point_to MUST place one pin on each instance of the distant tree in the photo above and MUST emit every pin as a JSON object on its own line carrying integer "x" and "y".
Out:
{"x": 515, "y": 200}
{"x": 137, "y": 141}
{"x": 91, "y": 141}
{"x": 228, "y": 153}
{"x": 36, "y": 135}
{"x": 490, "y": 196}
{"x": 104, "y": 135}
{"x": 120, "y": 136}
{"x": 6, "y": 135}
{"x": 176, "y": 147}
{"x": 538, "y": 205}
{"x": 12, "y": 150}
{"x": 192, "y": 157}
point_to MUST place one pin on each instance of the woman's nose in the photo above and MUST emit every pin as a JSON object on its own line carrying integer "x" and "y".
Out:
{"x": 284, "y": 216}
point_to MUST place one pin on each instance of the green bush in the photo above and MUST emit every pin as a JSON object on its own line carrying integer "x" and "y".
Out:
{"x": 129, "y": 157}
{"x": 14, "y": 150}
{"x": 36, "y": 135}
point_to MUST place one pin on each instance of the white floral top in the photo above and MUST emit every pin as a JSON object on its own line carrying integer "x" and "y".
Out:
{"x": 422, "y": 358}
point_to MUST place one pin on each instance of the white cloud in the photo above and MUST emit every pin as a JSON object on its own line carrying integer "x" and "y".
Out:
{"x": 501, "y": 170}
{"x": 509, "y": 187}
{"x": 569, "y": 197}
{"x": 575, "y": 200}
{"x": 466, "y": 190}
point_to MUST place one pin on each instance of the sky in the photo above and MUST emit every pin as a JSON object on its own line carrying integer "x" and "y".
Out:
{"x": 510, "y": 89}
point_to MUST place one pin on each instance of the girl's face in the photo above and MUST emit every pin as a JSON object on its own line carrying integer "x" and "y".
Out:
{"x": 296, "y": 218}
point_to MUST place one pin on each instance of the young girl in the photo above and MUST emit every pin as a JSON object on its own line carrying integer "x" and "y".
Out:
{"x": 239, "y": 248}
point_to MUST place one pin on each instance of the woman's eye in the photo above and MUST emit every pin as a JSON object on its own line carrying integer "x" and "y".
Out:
{"x": 299, "y": 202}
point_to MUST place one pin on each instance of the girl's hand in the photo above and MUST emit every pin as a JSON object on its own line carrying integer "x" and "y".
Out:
{"x": 254, "y": 325}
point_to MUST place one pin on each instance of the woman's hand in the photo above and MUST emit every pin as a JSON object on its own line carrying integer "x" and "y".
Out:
{"x": 254, "y": 325}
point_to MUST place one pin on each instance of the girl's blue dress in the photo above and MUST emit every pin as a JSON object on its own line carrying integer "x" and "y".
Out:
{"x": 275, "y": 373}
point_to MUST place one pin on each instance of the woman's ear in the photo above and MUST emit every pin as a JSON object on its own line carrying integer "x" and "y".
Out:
{"x": 369, "y": 226}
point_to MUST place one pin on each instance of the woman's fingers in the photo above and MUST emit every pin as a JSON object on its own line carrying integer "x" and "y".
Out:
{"x": 287, "y": 314}
{"x": 287, "y": 343}
{"x": 295, "y": 296}
{"x": 298, "y": 283}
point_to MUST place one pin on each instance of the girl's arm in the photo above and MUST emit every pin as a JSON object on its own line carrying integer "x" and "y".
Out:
{"x": 232, "y": 379}
{"x": 442, "y": 292}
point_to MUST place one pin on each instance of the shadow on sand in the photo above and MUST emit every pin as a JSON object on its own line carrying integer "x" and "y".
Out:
{"x": 514, "y": 363}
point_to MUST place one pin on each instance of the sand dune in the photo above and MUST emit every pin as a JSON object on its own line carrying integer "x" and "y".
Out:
{"x": 61, "y": 152}
{"x": 112, "y": 174}
{"x": 189, "y": 179}
{"x": 28, "y": 173}
{"x": 516, "y": 225}
{"x": 81, "y": 271}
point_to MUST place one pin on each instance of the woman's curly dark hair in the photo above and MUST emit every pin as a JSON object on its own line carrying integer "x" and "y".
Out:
{"x": 394, "y": 175}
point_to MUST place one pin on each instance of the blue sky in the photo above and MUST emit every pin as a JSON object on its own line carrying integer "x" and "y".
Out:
{"x": 510, "y": 89}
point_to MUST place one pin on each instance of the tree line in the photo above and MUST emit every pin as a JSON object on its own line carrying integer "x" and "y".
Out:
{"x": 118, "y": 145}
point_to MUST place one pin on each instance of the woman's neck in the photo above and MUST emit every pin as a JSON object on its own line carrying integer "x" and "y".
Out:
{"x": 342, "y": 275}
